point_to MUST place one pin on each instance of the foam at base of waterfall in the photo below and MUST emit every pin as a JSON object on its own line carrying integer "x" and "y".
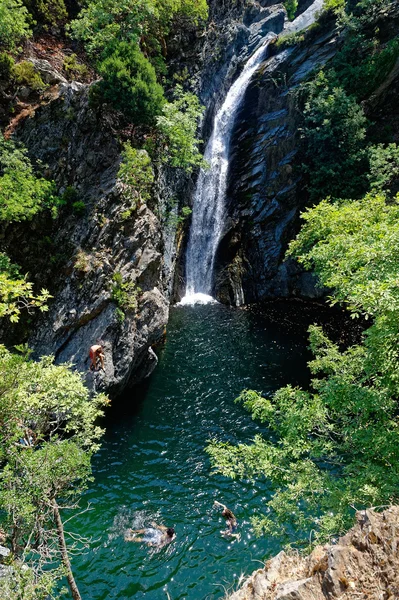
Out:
{"x": 193, "y": 299}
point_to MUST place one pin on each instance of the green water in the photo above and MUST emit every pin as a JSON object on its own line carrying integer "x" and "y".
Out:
{"x": 152, "y": 465}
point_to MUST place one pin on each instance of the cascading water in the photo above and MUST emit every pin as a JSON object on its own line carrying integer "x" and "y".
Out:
{"x": 209, "y": 198}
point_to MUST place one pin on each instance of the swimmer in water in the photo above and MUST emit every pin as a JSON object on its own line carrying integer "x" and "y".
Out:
{"x": 231, "y": 521}
{"x": 156, "y": 535}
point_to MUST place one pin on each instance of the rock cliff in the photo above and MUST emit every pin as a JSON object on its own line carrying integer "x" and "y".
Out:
{"x": 362, "y": 564}
{"x": 82, "y": 154}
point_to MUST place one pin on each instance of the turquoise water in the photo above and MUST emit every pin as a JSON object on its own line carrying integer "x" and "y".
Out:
{"x": 152, "y": 465}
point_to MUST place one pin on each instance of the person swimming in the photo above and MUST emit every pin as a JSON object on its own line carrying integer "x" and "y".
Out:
{"x": 231, "y": 521}
{"x": 156, "y": 535}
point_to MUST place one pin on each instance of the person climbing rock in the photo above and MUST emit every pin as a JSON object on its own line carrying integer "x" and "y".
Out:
{"x": 231, "y": 521}
{"x": 156, "y": 535}
{"x": 96, "y": 357}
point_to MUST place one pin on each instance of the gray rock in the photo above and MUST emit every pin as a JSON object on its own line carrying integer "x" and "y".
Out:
{"x": 47, "y": 72}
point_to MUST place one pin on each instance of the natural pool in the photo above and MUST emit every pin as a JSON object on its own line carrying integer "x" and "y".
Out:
{"x": 153, "y": 466}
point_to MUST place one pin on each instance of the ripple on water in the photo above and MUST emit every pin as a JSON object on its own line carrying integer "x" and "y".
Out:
{"x": 152, "y": 466}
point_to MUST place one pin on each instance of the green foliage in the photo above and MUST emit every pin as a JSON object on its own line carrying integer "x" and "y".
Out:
{"x": 48, "y": 12}
{"x": 178, "y": 126}
{"x": 25, "y": 74}
{"x": 47, "y": 438}
{"x": 362, "y": 64}
{"x": 27, "y": 585}
{"x": 352, "y": 248}
{"x": 124, "y": 294}
{"x": 74, "y": 68}
{"x": 129, "y": 84}
{"x": 384, "y": 166}
{"x": 285, "y": 40}
{"x": 291, "y": 6}
{"x": 22, "y": 194}
{"x": 334, "y": 134}
{"x": 103, "y": 22}
{"x": 336, "y": 446}
{"x": 137, "y": 177}
{"x": 6, "y": 66}
{"x": 176, "y": 219}
{"x": 335, "y": 6}
{"x": 14, "y": 23}
{"x": 16, "y": 293}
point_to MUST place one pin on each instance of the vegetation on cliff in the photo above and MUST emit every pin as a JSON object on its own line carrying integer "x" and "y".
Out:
{"x": 334, "y": 448}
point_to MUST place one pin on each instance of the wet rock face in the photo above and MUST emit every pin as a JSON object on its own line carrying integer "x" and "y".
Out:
{"x": 81, "y": 152}
{"x": 265, "y": 195}
{"x": 363, "y": 564}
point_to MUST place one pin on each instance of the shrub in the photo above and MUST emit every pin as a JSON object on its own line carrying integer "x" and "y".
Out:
{"x": 291, "y": 6}
{"x": 124, "y": 294}
{"x": 361, "y": 66}
{"x": 129, "y": 85}
{"x": 334, "y": 6}
{"x": 74, "y": 68}
{"x": 178, "y": 125}
{"x": 14, "y": 23}
{"x": 6, "y": 66}
{"x": 22, "y": 194}
{"x": 48, "y": 12}
{"x": 334, "y": 134}
{"x": 103, "y": 22}
{"x": 25, "y": 74}
{"x": 137, "y": 177}
{"x": 384, "y": 166}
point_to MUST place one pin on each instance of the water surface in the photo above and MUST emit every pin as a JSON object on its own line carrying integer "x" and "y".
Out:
{"x": 152, "y": 465}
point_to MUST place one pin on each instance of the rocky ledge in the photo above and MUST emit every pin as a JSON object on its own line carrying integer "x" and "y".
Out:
{"x": 364, "y": 564}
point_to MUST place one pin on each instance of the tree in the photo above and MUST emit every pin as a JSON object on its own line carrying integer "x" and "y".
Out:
{"x": 48, "y": 12}
{"x": 136, "y": 175}
{"x": 130, "y": 85}
{"x": 22, "y": 194}
{"x": 47, "y": 438}
{"x": 335, "y": 448}
{"x": 178, "y": 125}
{"x": 334, "y": 134}
{"x": 384, "y": 166}
{"x": 16, "y": 293}
{"x": 103, "y": 22}
{"x": 14, "y": 23}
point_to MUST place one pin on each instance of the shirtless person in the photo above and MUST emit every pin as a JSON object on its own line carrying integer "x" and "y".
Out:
{"x": 96, "y": 354}
{"x": 156, "y": 535}
{"x": 231, "y": 521}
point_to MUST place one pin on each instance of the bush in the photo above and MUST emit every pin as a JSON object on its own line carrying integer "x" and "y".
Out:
{"x": 129, "y": 85}
{"x": 384, "y": 166}
{"x": 137, "y": 177}
{"x": 25, "y": 74}
{"x": 334, "y": 6}
{"x": 48, "y": 12}
{"x": 22, "y": 194}
{"x": 74, "y": 68}
{"x": 362, "y": 66}
{"x": 291, "y": 6}
{"x": 124, "y": 294}
{"x": 6, "y": 66}
{"x": 103, "y": 22}
{"x": 178, "y": 125}
{"x": 334, "y": 143}
{"x": 14, "y": 23}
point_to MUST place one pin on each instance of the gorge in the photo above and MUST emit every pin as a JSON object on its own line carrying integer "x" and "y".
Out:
{"x": 200, "y": 284}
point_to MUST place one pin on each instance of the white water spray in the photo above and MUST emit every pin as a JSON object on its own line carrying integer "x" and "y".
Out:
{"x": 209, "y": 198}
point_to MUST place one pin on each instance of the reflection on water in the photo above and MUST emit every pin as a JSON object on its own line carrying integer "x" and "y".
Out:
{"x": 152, "y": 465}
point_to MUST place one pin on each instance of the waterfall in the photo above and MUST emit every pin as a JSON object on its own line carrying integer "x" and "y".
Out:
{"x": 210, "y": 193}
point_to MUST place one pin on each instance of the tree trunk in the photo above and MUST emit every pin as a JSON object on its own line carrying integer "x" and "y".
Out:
{"x": 64, "y": 553}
